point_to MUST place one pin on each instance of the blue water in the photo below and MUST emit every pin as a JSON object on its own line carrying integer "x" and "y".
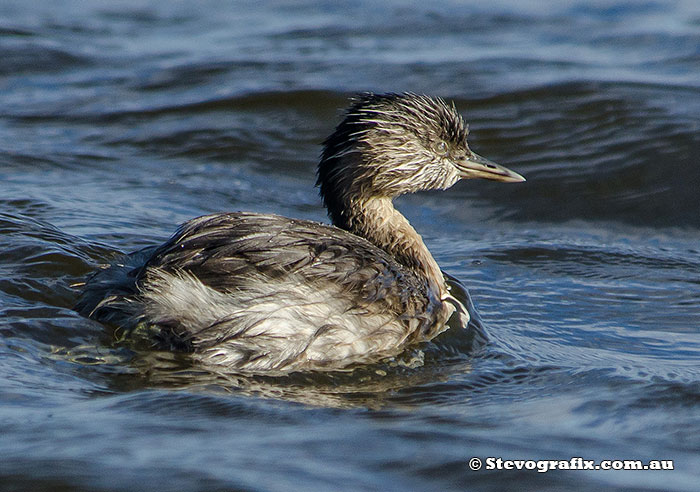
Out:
{"x": 120, "y": 121}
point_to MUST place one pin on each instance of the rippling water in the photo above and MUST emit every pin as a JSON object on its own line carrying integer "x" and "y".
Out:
{"x": 119, "y": 121}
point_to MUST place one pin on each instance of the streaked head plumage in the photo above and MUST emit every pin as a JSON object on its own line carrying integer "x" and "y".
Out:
{"x": 392, "y": 144}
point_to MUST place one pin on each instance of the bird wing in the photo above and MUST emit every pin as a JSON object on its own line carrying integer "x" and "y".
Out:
{"x": 226, "y": 251}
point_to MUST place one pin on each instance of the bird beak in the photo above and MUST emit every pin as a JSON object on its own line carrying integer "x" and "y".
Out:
{"x": 475, "y": 166}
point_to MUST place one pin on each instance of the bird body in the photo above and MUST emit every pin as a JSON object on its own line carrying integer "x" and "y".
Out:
{"x": 268, "y": 294}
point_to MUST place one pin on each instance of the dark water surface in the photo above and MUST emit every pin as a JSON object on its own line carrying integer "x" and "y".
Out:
{"x": 120, "y": 120}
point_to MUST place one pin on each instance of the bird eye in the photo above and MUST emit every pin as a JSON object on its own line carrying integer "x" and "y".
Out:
{"x": 441, "y": 148}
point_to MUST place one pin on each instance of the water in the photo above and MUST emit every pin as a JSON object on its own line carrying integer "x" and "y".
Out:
{"x": 119, "y": 121}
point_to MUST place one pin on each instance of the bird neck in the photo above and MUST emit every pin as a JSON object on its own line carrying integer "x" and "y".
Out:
{"x": 379, "y": 222}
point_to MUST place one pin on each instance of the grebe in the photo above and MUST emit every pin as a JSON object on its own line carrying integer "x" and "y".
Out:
{"x": 267, "y": 294}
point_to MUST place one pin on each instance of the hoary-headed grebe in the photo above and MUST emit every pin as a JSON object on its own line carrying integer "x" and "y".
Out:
{"x": 267, "y": 294}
